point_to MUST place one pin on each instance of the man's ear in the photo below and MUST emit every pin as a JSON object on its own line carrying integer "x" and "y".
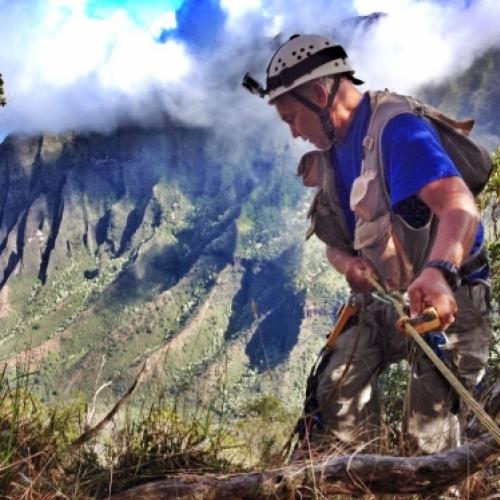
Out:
{"x": 319, "y": 94}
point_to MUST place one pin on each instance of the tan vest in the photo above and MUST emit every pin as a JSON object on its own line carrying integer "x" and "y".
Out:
{"x": 397, "y": 250}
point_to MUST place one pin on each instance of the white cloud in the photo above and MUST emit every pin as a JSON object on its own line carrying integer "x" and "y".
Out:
{"x": 64, "y": 69}
{"x": 237, "y": 8}
{"x": 425, "y": 41}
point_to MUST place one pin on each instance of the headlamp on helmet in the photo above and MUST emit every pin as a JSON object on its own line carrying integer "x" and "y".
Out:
{"x": 253, "y": 86}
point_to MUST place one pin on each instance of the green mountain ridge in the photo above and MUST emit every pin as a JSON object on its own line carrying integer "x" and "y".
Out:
{"x": 116, "y": 248}
{"x": 473, "y": 94}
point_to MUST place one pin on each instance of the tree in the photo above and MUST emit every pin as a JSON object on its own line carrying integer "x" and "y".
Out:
{"x": 3, "y": 101}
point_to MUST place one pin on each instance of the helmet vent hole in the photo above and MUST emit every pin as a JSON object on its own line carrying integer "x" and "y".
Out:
{"x": 279, "y": 60}
{"x": 308, "y": 53}
{"x": 283, "y": 65}
{"x": 302, "y": 49}
{"x": 299, "y": 57}
{"x": 336, "y": 64}
{"x": 294, "y": 53}
{"x": 276, "y": 68}
{"x": 327, "y": 43}
{"x": 311, "y": 46}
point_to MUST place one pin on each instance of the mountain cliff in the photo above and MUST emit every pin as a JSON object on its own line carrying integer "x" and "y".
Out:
{"x": 148, "y": 244}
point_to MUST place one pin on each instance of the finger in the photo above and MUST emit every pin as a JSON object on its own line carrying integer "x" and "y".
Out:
{"x": 368, "y": 266}
{"x": 446, "y": 311}
{"x": 416, "y": 297}
{"x": 446, "y": 321}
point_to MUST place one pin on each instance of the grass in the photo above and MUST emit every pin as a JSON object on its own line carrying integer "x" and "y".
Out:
{"x": 37, "y": 459}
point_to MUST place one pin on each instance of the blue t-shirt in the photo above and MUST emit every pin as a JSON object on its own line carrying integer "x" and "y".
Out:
{"x": 413, "y": 157}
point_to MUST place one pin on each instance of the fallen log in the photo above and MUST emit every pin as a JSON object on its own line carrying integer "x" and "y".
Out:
{"x": 354, "y": 474}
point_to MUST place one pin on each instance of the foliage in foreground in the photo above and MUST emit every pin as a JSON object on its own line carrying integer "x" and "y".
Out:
{"x": 38, "y": 459}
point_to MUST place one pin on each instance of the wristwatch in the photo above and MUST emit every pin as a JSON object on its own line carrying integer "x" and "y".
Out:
{"x": 450, "y": 272}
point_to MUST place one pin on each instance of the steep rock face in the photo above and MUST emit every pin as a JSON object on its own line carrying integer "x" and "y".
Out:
{"x": 61, "y": 193}
{"x": 115, "y": 247}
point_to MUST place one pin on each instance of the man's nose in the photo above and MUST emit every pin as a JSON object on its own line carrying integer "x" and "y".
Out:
{"x": 294, "y": 131}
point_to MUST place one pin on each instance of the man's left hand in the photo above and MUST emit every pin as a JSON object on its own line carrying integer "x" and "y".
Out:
{"x": 431, "y": 289}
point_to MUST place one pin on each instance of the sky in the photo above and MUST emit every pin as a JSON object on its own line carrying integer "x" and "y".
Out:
{"x": 91, "y": 65}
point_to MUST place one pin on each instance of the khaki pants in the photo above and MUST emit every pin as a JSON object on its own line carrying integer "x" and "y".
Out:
{"x": 350, "y": 411}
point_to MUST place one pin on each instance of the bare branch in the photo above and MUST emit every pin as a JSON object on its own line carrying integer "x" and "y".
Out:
{"x": 89, "y": 434}
{"x": 346, "y": 474}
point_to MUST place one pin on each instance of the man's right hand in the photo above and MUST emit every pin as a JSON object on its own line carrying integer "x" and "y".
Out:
{"x": 354, "y": 270}
{"x": 352, "y": 267}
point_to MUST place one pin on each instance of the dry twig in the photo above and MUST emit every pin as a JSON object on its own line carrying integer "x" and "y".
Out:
{"x": 92, "y": 432}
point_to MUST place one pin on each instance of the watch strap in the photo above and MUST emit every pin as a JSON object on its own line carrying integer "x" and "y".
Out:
{"x": 450, "y": 272}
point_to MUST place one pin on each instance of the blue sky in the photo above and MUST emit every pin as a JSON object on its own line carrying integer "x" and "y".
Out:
{"x": 135, "y": 7}
{"x": 197, "y": 22}
{"x": 90, "y": 64}
{"x": 143, "y": 12}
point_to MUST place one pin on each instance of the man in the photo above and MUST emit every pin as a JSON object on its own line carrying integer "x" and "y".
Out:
{"x": 396, "y": 208}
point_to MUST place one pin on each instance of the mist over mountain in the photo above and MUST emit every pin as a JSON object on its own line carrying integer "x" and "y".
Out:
{"x": 475, "y": 94}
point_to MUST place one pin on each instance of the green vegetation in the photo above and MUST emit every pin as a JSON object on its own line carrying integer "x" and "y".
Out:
{"x": 167, "y": 265}
{"x": 490, "y": 201}
{"x": 39, "y": 458}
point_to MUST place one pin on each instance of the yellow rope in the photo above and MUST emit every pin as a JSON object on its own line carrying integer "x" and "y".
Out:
{"x": 475, "y": 407}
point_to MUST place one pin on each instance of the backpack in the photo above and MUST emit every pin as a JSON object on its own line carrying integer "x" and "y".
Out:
{"x": 473, "y": 161}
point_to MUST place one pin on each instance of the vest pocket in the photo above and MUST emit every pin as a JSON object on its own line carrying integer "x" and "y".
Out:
{"x": 369, "y": 233}
{"x": 415, "y": 242}
{"x": 377, "y": 242}
{"x": 367, "y": 199}
{"x": 325, "y": 223}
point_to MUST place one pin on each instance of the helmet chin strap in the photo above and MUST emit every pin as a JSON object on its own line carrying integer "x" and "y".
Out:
{"x": 323, "y": 114}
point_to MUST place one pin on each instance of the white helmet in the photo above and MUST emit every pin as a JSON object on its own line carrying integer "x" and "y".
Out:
{"x": 299, "y": 60}
{"x": 302, "y": 59}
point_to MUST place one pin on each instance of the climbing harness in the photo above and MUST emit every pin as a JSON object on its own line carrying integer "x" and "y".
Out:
{"x": 346, "y": 313}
